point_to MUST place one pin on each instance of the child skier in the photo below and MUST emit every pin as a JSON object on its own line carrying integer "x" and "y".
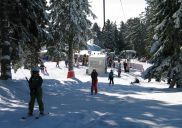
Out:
{"x": 46, "y": 70}
{"x": 35, "y": 83}
{"x": 42, "y": 67}
{"x": 94, "y": 75}
{"x": 111, "y": 77}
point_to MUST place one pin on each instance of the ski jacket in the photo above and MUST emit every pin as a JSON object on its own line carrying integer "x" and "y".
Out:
{"x": 110, "y": 74}
{"x": 119, "y": 66}
{"x": 42, "y": 66}
{"x": 35, "y": 82}
{"x": 94, "y": 76}
{"x": 86, "y": 57}
{"x": 66, "y": 61}
{"x": 125, "y": 64}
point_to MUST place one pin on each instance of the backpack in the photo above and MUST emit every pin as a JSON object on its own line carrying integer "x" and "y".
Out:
{"x": 110, "y": 75}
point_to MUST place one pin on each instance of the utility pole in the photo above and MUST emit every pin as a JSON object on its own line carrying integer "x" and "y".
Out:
{"x": 103, "y": 14}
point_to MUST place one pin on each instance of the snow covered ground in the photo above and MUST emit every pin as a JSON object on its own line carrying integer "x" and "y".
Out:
{"x": 143, "y": 105}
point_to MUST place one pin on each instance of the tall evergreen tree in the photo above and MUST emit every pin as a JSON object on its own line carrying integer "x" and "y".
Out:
{"x": 150, "y": 27}
{"x": 70, "y": 24}
{"x": 166, "y": 51}
{"x": 96, "y": 31}
{"x": 108, "y": 35}
{"x": 120, "y": 43}
{"x": 25, "y": 25}
{"x": 138, "y": 36}
{"x": 5, "y": 43}
{"x": 33, "y": 28}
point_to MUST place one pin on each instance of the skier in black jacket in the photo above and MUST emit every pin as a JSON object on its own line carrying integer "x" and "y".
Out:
{"x": 35, "y": 84}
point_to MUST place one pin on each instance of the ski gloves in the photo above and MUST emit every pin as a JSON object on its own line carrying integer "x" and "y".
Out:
{"x": 33, "y": 91}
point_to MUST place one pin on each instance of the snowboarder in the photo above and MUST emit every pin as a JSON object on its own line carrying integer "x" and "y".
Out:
{"x": 111, "y": 77}
{"x": 57, "y": 64}
{"x": 94, "y": 75}
{"x": 42, "y": 67}
{"x": 35, "y": 83}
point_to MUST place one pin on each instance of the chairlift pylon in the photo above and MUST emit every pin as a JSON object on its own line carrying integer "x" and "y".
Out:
{"x": 103, "y": 14}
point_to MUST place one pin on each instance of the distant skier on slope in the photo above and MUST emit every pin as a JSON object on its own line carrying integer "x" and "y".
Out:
{"x": 66, "y": 62}
{"x": 35, "y": 84}
{"x": 57, "y": 64}
{"x": 125, "y": 65}
{"x": 94, "y": 75}
{"x": 119, "y": 69}
{"x": 42, "y": 67}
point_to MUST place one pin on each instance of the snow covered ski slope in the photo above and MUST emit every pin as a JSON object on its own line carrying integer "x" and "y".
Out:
{"x": 70, "y": 105}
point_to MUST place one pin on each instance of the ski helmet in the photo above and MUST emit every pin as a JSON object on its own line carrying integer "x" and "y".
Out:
{"x": 35, "y": 69}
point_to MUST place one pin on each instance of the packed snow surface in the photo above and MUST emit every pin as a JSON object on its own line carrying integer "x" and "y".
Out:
{"x": 70, "y": 105}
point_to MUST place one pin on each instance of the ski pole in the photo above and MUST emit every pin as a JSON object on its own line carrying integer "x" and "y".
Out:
{"x": 25, "y": 76}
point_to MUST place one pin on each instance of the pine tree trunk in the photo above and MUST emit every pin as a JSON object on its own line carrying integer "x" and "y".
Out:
{"x": 70, "y": 54}
{"x": 5, "y": 58}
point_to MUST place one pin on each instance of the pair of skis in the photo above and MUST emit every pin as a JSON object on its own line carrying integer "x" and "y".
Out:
{"x": 37, "y": 117}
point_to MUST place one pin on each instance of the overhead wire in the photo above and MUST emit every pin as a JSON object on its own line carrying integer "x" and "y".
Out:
{"x": 123, "y": 11}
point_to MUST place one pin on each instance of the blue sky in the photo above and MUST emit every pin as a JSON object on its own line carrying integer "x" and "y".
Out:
{"x": 132, "y": 8}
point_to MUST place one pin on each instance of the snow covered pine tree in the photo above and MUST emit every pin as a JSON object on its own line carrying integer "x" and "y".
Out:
{"x": 70, "y": 25}
{"x": 166, "y": 51}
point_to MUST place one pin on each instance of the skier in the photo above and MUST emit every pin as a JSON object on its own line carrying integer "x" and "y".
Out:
{"x": 125, "y": 64}
{"x": 94, "y": 75}
{"x": 66, "y": 62}
{"x": 111, "y": 77}
{"x": 35, "y": 83}
{"x": 46, "y": 70}
{"x": 42, "y": 67}
{"x": 119, "y": 69}
{"x": 57, "y": 64}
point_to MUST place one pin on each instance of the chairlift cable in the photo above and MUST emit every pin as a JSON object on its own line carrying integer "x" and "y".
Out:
{"x": 123, "y": 10}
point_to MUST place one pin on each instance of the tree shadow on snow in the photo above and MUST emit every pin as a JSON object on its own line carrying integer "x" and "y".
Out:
{"x": 112, "y": 107}
{"x": 70, "y": 102}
